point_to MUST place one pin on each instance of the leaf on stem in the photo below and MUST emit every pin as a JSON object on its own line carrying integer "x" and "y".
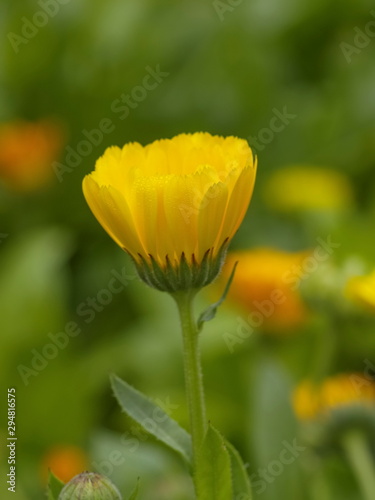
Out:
{"x": 54, "y": 487}
{"x": 213, "y": 475}
{"x": 240, "y": 477}
{"x": 209, "y": 313}
{"x": 152, "y": 418}
{"x": 135, "y": 492}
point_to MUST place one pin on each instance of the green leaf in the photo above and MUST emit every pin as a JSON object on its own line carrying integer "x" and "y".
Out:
{"x": 134, "y": 494}
{"x": 209, "y": 313}
{"x": 54, "y": 487}
{"x": 240, "y": 477}
{"x": 272, "y": 386}
{"x": 152, "y": 418}
{"x": 213, "y": 468}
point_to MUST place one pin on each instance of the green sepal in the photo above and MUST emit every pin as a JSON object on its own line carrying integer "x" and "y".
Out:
{"x": 180, "y": 274}
{"x": 209, "y": 313}
{"x": 186, "y": 273}
{"x": 218, "y": 262}
{"x": 54, "y": 487}
{"x": 159, "y": 276}
{"x": 172, "y": 280}
{"x": 201, "y": 277}
{"x": 152, "y": 418}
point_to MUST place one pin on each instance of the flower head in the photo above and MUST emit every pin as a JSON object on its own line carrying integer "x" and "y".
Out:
{"x": 312, "y": 400}
{"x": 90, "y": 486}
{"x": 266, "y": 283}
{"x": 361, "y": 289}
{"x": 26, "y": 153}
{"x": 173, "y": 205}
{"x": 306, "y": 188}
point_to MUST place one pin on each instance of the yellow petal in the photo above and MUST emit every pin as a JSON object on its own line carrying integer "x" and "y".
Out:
{"x": 113, "y": 213}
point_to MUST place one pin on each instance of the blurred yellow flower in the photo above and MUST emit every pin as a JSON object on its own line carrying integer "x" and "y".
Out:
{"x": 266, "y": 284}
{"x": 308, "y": 188}
{"x": 65, "y": 461}
{"x": 175, "y": 199}
{"x": 312, "y": 400}
{"x": 27, "y": 151}
{"x": 361, "y": 289}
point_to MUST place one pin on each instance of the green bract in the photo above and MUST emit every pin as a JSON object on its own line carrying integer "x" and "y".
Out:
{"x": 174, "y": 277}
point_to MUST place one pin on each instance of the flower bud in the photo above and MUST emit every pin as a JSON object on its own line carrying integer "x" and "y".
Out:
{"x": 89, "y": 486}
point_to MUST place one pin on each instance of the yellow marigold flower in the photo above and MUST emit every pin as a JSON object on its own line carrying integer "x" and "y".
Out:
{"x": 65, "y": 461}
{"x": 27, "y": 151}
{"x": 173, "y": 205}
{"x": 266, "y": 284}
{"x": 311, "y": 400}
{"x": 301, "y": 187}
{"x": 361, "y": 289}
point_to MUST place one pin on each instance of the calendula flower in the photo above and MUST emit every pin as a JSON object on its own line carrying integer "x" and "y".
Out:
{"x": 26, "y": 153}
{"x": 266, "y": 284}
{"x": 361, "y": 289}
{"x": 65, "y": 461}
{"x": 338, "y": 415}
{"x": 174, "y": 205}
{"x": 311, "y": 400}
{"x": 307, "y": 188}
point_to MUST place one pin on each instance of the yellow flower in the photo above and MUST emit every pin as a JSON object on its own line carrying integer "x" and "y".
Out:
{"x": 173, "y": 205}
{"x": 311, "y": 400}
{"x": 301, "y": 187}
{"x": 361, "y": 289}
{"x": 306, "y": 400}
{"x": 266, "y": 285}
{"x": 27, "y": 151}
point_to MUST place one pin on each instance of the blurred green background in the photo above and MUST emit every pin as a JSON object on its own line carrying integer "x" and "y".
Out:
{"x": 228, "y": 68}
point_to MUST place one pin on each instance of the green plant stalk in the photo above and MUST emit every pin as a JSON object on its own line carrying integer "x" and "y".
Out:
{"x": 361, "y": 461}
{"x": 192, "y": 368}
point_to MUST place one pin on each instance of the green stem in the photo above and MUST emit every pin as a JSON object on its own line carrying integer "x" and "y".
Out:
{"x": 320, "y": 489}
{"x": 193, "y": 372}
{"x": 361, "y": 461}
{"x": 325, "y": 349}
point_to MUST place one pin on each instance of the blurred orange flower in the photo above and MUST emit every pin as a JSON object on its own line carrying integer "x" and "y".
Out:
{"x": 266, "y": 284}
{"x": 65, "y": 461}
{"x": 311, "y": 400}
{"x": 27, "y": 151}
